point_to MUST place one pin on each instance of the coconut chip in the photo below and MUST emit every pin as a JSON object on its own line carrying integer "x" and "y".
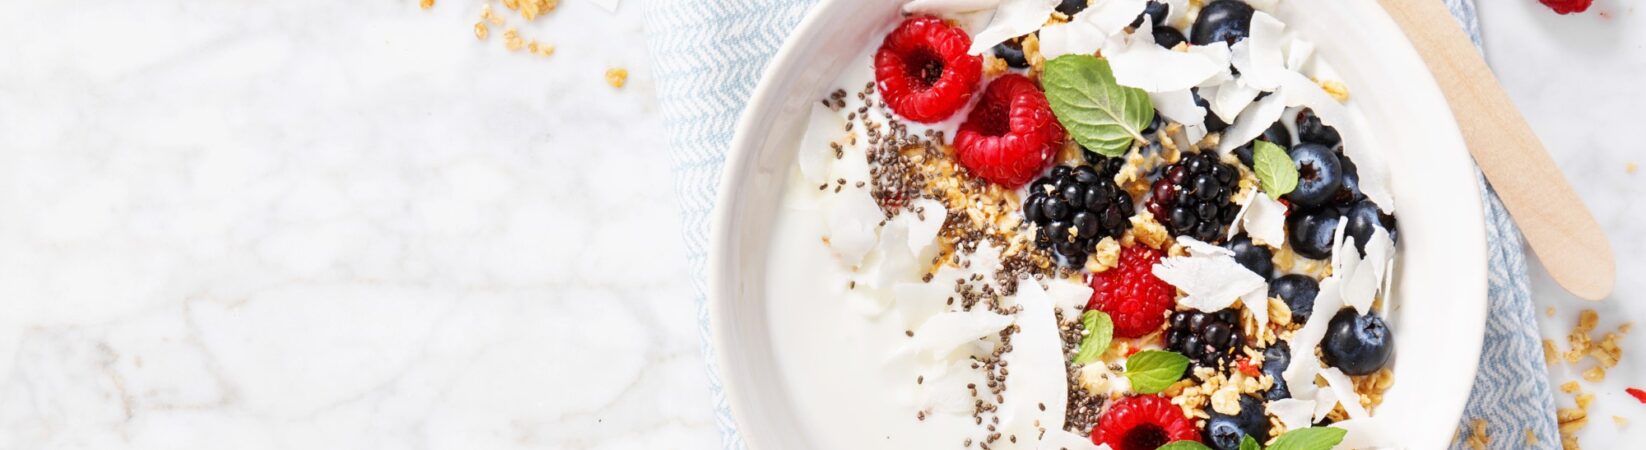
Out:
{"x": 852, "y": 220}
{"x": 1012, "y": 18}
{"x": 1212, "y": 282}
{"x": 1345, "y": 390}
{"x": 1139, "y": 63}
{"x": 1068, "y": 296}
{"x": 1264, "y": 219}
{"x": 925, "y": 225}
{"x": 1037, "y": 355}
{"x": 1198, "y": 248}
{"x": 1300, "y": 372}
{"x": 1251, "y": 123}
{"x": 1258, "y": 57}
{"x": 944, "y": 333}
{"x": 1293, "y": 413}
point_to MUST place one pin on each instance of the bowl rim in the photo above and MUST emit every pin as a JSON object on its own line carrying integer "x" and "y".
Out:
{"x": 738, "y": 157}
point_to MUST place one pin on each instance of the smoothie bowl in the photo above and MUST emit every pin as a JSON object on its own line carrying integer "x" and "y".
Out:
{"x": 1119, "y": 224}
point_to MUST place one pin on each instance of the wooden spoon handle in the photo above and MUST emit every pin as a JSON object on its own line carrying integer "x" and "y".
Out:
{"x": 1556, "y": 224}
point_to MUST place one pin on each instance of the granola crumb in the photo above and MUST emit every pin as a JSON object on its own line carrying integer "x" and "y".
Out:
{"x": 1595, "y": 374}
{"x": 511, "y": 39}
{"x": 1531, "y": 438}
{"x": 1549, "y": 312}
{"x": 481, "y": 31}
{"x": 1630, "y": 168}
{"x": 617, "y": 77}
{"x": 1335, "y": 88}
{"x": 1620, "y": 421}
{"x": 1551, "y": 355}
{"x": 425, "y": 4}
{"x": 1478, "y": 439}
{"x": 1569, "y": 387}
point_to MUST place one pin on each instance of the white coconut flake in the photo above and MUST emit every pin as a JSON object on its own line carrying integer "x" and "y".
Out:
{"x": 890, "y": 261}
{"x": 1251, "y": 123}
{"x": 1198, "y": 248}
{"x": 923, "y": 231}
{"x": 1179, "y": 106}
{"x": 1300, "y": 373}
{"x": 1012, "y": 18}
{"x": 1293, "y": 413}
{"x": 944, "y": 390}
{"x": 917, "y": 302}
{"x": 853, "y": 220}
{"x": 1232, "y": 98}
{"x": 815, "y": 153}
{"x": 1345, "y": 390}
{"x": 1235, "y": 227}
{"x": 1115, "y": 15}
{"x": 941, "y": 7}
{"x": 1298, "y": 53}
{"x": 1325, "y": 401}
{"x": 1069, "y": 297}
{"x": 1337, "y": 243}
{"x": 1037, "y": 354}
{"x": 1264, "y": 219}
{"x": 1257, "y": 303}
{"x": 1139, "y": 63}
{"x": 1258, "y": 57}
{"x": 1079, "y": 36}
{"x": 1212, "y": 282}
{"x": 947, "y": 332}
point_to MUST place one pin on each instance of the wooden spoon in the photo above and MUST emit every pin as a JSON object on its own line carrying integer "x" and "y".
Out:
{"x": 1556, "y": 224}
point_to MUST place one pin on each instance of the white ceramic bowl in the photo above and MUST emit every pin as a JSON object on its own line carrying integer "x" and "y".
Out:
{"x": 1439, "y": 308}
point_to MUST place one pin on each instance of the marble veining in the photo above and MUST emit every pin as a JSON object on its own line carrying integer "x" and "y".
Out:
{"x": 336, "y": 225}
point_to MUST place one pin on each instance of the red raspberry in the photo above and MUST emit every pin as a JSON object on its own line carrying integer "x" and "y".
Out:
{"x": 1011, "y": 135}
{"x": 1130, "y": 293}
{"x": 1143, "y": 423}
{"x": 923, "y": 70}
{"x": 1568, "y": 6}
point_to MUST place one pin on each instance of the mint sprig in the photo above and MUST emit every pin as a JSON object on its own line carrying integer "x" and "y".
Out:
{"x": 1098, "y": 112}
{"x": 1247, "y": 443}
{"x": 1276, "y": 172}
{"x": 1312, "y": 438}
{"x": 1099, "y": 332}
{"x": 1152, "y": 371}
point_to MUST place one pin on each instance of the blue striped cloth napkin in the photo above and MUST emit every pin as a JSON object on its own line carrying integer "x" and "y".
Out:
{"x": 709, "y": 54}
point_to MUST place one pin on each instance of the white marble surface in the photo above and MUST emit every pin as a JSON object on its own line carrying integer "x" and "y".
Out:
{"x": 318, "y": 224}
{"x": 1579, "y": 81}
{"x": 315, "y": 224}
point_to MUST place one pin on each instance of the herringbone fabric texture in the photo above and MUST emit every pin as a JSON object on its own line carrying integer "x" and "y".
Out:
{"x": 709, "y": 54}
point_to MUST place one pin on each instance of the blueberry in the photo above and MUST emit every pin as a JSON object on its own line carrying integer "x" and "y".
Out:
{"x": 1310, "y": 232}
{"x": 1357, "y": 344}
{"x": 1255, "y": 257}
{"x": 1275, "y": 360}
{"x": 1155, "y": 10}
{"x": 1350, "y": 192}
{"x": 1168, "y": 37}
{"x": 1224, "y": 432}
{"x": 1213, "y": 122}
{"x": 1071, "y": 7}
{"x": 1298, "y": 291}
{"x": 1319, "y": 175}
{"x": 1222, "y": 21}
{"x": 1155, "y": 124}
{"x": 1362, "y": 216}
{"x": 1012, "y": 52}
{"x": 1311, "y": 130}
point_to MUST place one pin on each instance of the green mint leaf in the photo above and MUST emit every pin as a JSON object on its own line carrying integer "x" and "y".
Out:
{"x": 1184, "y": 445}
{"x": 1152, "y": 371}
{"x": 1098, "y": 112}
{"x": 1099, "y": 331}
{"x": 1275, "y": 171}
{"x": 1247, "y": 443}
{"x": 1312, "y": 438}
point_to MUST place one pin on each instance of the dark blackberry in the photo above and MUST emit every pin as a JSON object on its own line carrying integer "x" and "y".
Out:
{"x": 1208, "y": 339}
{"x": 1075, "y": 207}
{"x": 1191, "y": 197}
